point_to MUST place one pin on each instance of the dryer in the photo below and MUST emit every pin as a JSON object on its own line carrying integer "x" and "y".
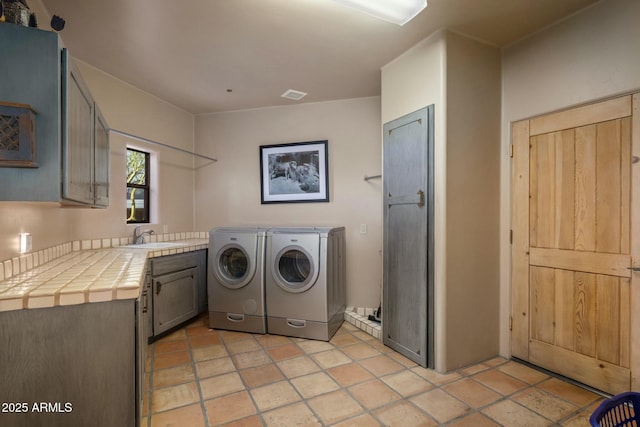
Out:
{"x": 305, "y": 281}
{"x": 236, "y": 279}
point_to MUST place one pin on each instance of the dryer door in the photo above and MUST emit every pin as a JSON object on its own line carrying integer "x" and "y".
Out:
{"x": 233, "y": 266}
{"x": 294, "y": 269}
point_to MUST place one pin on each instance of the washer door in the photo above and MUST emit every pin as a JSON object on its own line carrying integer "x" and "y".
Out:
{"x": 294, "y": 269}
{"x": 233, "y": 267}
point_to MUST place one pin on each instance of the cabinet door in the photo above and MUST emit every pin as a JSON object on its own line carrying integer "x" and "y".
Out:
{"x": 175, "y": 299}
{"x": 77, "y": 135}
{"x": 101, "y": 172}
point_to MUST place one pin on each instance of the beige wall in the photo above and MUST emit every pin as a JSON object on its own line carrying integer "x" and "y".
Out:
{"x": 462, "y": 78}
{"x": 228, "y": 192}
{"x": 592, "y": 55}
{"x": 129, "y": 109}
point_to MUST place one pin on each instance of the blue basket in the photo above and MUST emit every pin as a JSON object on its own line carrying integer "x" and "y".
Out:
{"x": 619, "y": 411}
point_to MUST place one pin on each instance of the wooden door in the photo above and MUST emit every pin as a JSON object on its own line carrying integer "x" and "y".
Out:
{"x": 407, "y": 306}
{"x": 575, "y": 225}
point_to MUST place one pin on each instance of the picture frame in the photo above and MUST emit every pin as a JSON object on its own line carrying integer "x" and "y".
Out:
{"x": 294, "y": 173}
{"x": 17, "y": 136}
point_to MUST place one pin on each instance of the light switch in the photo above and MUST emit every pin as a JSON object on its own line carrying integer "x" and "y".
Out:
{"x": 363, "y": 228}
{"x": 25, "y": 243}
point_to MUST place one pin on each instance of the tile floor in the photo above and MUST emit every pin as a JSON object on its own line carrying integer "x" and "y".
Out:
{"x": 199, "y": 377}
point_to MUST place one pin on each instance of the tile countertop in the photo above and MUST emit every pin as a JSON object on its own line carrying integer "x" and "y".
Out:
{"x": 80, "y": 275}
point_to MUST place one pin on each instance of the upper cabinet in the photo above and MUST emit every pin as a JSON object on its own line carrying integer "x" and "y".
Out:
{"x": 71, "y": 136}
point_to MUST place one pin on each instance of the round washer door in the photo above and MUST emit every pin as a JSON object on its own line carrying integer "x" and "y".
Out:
{"x": 233, "y": 267}
{"x": 294, "y": 269}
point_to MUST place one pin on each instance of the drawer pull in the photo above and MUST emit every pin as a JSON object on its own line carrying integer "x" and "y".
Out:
{"x": 295, "y": 323}
{"x": 235, "y": 317}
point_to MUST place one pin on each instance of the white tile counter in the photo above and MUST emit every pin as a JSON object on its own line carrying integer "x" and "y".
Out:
{"x": 83, "y": 272}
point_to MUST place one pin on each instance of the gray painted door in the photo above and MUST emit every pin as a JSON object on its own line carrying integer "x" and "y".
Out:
{"x": 407, "y": 313}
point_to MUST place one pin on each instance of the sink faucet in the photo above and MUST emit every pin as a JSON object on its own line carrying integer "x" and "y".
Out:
{"x": 138, "y": 236}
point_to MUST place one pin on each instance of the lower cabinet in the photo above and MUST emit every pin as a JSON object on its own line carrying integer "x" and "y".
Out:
{"x": 178, "y": 283}
{"x": 69, "y": 366}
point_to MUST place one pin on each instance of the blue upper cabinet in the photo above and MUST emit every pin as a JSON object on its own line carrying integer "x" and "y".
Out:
{"x": 71, "y": 137}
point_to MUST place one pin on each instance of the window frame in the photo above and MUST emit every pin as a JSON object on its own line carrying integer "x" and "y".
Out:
{"x": 146, "y": 187}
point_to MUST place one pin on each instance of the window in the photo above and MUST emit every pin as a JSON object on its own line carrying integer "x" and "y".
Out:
{"x": 137, "y": 186}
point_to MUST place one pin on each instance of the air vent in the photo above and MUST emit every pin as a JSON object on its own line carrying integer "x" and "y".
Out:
{"x": 295, "y": 95}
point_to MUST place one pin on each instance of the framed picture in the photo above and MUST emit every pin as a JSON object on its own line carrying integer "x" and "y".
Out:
{"x": 294, "y": 173}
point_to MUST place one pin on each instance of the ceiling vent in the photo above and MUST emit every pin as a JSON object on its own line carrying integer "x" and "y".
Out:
{"x": 295, "y": 95}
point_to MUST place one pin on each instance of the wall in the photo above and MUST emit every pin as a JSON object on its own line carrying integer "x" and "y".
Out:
{"x": 228, "y": 192}
{"x": 590, "y": 56}
{"x": 129, "y": 109}
{"x": 462, "y": 78}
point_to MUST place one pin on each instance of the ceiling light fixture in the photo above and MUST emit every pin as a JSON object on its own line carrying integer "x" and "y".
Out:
{"x": 397, "y": 11}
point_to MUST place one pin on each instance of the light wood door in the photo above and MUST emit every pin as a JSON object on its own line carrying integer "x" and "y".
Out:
{"x": 576, "y": 237}
{"x": 407, "y": 305}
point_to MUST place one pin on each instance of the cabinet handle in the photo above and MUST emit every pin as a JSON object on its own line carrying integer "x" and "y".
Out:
{"x": 158, "y": 287}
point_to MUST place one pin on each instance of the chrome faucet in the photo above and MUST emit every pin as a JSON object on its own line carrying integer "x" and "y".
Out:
{"x": 138, "y": 236}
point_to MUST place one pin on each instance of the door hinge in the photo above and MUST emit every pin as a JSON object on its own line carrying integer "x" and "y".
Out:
{"x": 511, "y": 323}
{"x": 510, "y": 150}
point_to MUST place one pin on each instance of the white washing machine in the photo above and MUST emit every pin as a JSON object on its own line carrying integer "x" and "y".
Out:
{"x": 236, "y": 279}
{"x": 305, "y": 281}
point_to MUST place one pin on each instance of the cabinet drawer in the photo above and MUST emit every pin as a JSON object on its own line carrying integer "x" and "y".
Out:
{"x": 171, "y": 263}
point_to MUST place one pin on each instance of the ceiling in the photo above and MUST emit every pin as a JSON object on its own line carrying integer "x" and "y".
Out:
{"x": 208, "y": 56}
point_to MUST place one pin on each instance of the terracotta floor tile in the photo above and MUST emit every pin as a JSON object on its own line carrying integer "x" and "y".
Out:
{"x": 364, "y": 420}
{"x": 298, "y": 366}
{"x": 314, "y": 384}
{"x": 331, "y": 358}
{"x": 286, "y": 351}
{"x": 178, "y": 334}
{"x": 243, "y": 346}
{"x": 406, "y": 383}
{"x": 435, "y": 377}
{"x": 274, "y": 395}
{"x": 173, "y": 376}
{"x": 500, "y": 382}
{"x": 381, "y": 365}
{"x": 198, "y": 330}
{"x": 186, "y": 416}
{"x": 581, "y": 419}
{"x": 349, "y": 374}
{"x": 403, "y": 414}
{"x": 359, "y": 351}
{"x": 373, "y": 394}
{"x": 209, "y": 368}
{"x": 474, "y": 369}
{"x": 440, "y": 405}
{"x": 261, "y": 375}
{"x": 297, "y": 414}
{"x": 272, "y": 340}
{"x": 220, "y": 385}
{"x": 168, "y": 360}
{"x": 310, "y": 346}
{"x": 378, "y": 345}
{"x": 523, "y": 372}
{"x": 335, "y": 406}
{"x": 545, "y": 404}
{"x": 474, "y": 420}
{"x": 229, "y": 408}
{"x": 205, "y": 340}
{"x": 570, "y": 392}
{"x": 511, "y": 414}
{"x": 404, "y": 361}
{"x": 211, "y": 352}
{"x": 252, "y": 421}
{"x": 172, "y": 397}
{"x": 169, "y": 346}
{"x": 361, "y": 335}
{"x": 230, "y": 336}
{"x": 343, "y": 339}
{"x": 471, "y": 392}
{"x": 251, "y": 359}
